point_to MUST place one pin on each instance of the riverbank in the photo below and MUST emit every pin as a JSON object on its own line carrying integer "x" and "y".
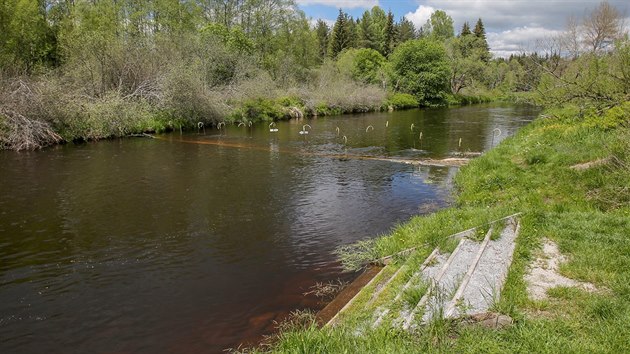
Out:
{"x": 34, "y": 115}
{"x": 548, "y": 172}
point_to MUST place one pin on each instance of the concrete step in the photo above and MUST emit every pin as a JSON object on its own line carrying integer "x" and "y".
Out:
{"x": 484, "y": 286}
{"x": 444, "y": 283}
{"x": 381, "y": 312}
{"x": 466, "y": 281}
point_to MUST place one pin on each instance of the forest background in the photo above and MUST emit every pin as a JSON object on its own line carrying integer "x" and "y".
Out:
{"x": 81, "y": 70}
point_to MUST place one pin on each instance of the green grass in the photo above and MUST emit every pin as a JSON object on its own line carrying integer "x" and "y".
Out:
{"x": 586, "y": 212}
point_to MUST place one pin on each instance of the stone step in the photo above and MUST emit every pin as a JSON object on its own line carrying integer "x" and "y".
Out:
{"x": 381, "y": 312}
{"x": 466, "y": 281}
{"x": 484, "y": 286}
{"x": 444, "y": 283}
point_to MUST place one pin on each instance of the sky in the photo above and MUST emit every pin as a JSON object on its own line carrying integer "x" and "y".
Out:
{"x": 512, "y": 26}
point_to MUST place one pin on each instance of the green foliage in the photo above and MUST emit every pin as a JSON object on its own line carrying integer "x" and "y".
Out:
{"x": 234, "y": 38}
{"x": 480, "y": 33}
{"x": 342, "y": 35}
{"x": 420, "y": 68}
{"x": 372, "y": 30}
{"x": 27, "y": 40}
{"x": 466, "y": 58}
{"x": 469, "y": 98}
{"x": 405, "y": 31}
{"x": 439, "y": 26}
{"x": 259, "y": 109}
{"x": 590, "y": 82}
{"x": 609, "y": 119}
{"x": 364, "y": 65}
{"x": 290, "y": 101}
{"x": 390, "y": 35}
{"x": 465, "y": 30}
{"x": 194, "y": 62}
{"x": 323, "y": 36}
{"x": 402, "y": 101}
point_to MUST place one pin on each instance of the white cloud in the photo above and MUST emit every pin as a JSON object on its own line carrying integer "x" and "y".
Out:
{"x": 344, "y": 4}
{"x": 519, "y": 40}
{"x": 420, "y": 16}
{"x": 501, "y": 15}
{"x": 512, "y": 26}
{"x": 329, "y": 22}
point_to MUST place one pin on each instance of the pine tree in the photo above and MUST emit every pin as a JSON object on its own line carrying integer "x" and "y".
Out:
{"x": 390, "y": 34}
{"x": 465, "y": 30}
{"x": 322, "y": 33}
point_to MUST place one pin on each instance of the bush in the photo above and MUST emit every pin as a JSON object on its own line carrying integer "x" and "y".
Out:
{"x": 259, "y": 109}
{"x": 420, "y": 67}
{"x": 461, "y": 99}
{"x": 402, "y": 101}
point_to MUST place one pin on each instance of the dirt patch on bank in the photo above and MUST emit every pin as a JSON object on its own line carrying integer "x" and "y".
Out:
{"x": 544, "y": 273}
{"x": 590, "y": 164}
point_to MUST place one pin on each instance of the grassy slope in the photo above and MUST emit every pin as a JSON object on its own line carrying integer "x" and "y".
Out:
{"x": 586, "y": 212}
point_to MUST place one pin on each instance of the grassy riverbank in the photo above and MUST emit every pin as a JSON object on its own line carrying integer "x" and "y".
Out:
{"x": 584, "y": 208}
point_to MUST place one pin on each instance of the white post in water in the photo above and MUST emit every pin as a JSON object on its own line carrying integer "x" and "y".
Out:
{"x": 494, "y": 133}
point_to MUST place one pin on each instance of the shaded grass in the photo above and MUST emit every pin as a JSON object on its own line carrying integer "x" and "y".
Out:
{"x": 529, "y": 173}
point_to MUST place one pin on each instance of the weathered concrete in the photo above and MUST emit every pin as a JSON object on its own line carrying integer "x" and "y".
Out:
{"x": 544, "y": 273}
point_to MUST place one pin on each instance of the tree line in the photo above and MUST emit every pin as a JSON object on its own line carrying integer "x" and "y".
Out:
{"x": 99, "y": 68}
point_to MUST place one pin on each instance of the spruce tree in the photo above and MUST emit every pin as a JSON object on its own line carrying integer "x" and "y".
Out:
{"x": 482, "y": 43}
{"x": 321, "y": 31}
{"x": 390, "y": 34}
{"x": 405, "y": 30}
{"x": 352, "y": 32}
{"x": 365, "y": 31}
{"x": 480, "y": 31}
{"x": 465, "y": 30}
{"x": 340, "y": 37}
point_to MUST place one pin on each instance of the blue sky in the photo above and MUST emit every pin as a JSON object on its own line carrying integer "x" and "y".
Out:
{"x": 316, "y": 9}
{"x": 512, "y": 26}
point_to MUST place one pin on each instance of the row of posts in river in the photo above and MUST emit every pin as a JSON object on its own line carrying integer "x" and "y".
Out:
{"x": 496, "y": 132}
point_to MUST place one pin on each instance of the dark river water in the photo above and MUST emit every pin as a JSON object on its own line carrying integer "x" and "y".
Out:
{"x": 195, "y": 243}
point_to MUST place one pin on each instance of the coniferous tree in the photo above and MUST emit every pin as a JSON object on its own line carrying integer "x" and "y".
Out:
{"x": 366, "y": 31}
{"x": 405, "y": 30}
{"x": 480, "y": 31}
{"x": 465, "y": 30}
{"x": 340, "y": 36}
{"x": 422, "y": 32}
{"x": 352, "y": 32}
{"x": 390, "y": 34}
{"x": 482, "y": 43}
{"x": 322, "y": 33}
{"x": 371, "y": 30}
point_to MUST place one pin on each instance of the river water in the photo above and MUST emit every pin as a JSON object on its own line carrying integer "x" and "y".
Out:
{"x": 197, "y": 242}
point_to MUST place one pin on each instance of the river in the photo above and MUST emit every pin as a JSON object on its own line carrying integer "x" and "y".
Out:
{"x": 197, "y": 242}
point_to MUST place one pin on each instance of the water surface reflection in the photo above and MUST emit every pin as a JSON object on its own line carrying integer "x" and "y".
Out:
{"x": 146, "y": 246}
